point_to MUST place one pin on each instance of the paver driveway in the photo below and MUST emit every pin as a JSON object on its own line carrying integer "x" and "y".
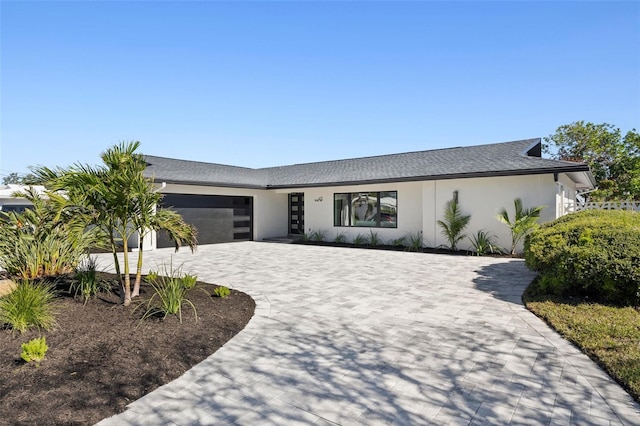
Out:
{"x": 352, "y": 336}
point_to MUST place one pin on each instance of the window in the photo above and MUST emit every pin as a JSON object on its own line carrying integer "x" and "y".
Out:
{"x": 366, "y": 209}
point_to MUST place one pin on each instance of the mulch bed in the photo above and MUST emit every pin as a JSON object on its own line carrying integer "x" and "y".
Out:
{"x": 102, "y": 356}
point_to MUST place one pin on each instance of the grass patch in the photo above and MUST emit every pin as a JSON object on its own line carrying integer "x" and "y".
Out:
{"x": 610, "y": 335}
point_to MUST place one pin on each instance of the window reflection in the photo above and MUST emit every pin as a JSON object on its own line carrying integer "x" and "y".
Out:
{"x": 366, "y": 209}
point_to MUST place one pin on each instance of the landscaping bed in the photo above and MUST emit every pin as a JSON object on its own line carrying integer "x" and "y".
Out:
{"x": 102, "y": 356}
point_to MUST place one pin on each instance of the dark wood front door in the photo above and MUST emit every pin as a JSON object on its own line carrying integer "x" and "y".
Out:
{"x": 296, "y": 213}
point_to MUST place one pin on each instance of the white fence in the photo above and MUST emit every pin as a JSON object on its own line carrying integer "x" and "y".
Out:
{"x": 605, "y": 205}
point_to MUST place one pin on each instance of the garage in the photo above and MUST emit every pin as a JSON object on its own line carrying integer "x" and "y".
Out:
{"x": 218, "y": 218}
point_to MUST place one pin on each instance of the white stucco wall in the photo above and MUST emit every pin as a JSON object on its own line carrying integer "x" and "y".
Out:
{"x": 421, "y": 204}
{"x": 482, "y": 198}
{"x": 319, "y": 214}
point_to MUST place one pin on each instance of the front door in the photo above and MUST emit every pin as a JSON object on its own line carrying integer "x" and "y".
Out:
{"x": 296, "y": 213}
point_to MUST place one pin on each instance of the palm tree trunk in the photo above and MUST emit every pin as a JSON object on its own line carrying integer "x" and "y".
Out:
{"x": 126, "y": 296}
{"x": 136, "y": 285}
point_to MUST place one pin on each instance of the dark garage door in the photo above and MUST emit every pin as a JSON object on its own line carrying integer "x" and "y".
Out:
{"x": 218, "y": 218}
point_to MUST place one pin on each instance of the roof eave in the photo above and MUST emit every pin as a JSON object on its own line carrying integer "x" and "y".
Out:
{"x": 499, "y": 173}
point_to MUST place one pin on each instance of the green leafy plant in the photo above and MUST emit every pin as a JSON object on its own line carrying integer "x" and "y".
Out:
{"x": 415, "y": 242}
{"x": 524, "y": 221}
{"x": 34, "y": 350}
{"x": 399, "y": 242}
{"x": 360, "y": 240}
{"x": 221, "y": 291}
{"x": 316, "y": 236}
{"x": 340, "y": 238}
{"x": 374, "y": 239}
{"x": 454, "y": 224}
{"x": 86, "y": 281}
{"x": 483, "y": 243}
{"x": 169, "y": 294}
{"x": 593, "y": 253}
{"x": 42, "y": 242}
{"x": 152, "y": 277}
{"x": 189, "y": 281}
{"x": 29, "y": 305}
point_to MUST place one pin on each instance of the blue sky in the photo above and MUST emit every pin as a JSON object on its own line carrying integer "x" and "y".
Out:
{"x": 261, "y": 84}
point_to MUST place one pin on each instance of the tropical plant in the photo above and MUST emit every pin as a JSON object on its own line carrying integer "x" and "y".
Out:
{"x": 522, "y": 223}
{"x": 118, "y": 200}
{"x": 29, "y": 305}
{"x": 374, "y": 239}
{"x": 415, "y": 242}
{"x": 315, "y": 236}
{"x": 340, "y": 238}
{"x": 221, "y": 291}
{"x": 34, "y": 350}
{"x": 39, "y": 242}
{"x": 399, "y": 242}
{"x": 360, "y": 240}
{"x": 454, "y": 224}
{"x": 86, "y": 281}
{"x": 189, "y": 281}
{"x": 169, "y": 294}
{"x": 483, "y": 243}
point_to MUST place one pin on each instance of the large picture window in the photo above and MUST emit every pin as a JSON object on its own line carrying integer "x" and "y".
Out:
{"x": 367, "y": 209}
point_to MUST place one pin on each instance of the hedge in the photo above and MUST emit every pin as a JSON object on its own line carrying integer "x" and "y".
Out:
{"x": 593, "y": 253}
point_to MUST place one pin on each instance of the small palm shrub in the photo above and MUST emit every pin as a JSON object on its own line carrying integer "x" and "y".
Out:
{"x": 454, "y": 224}
{"x": 316, "y": 236}
{"x": 399, "y": 242}
{"x": 29, "y": 305}
{"x": 34, "y": 350}
{"x": 189, "y": 281}
{"x": 594, "y": 253}
{"x": 483, "y": 244}
{"x": 340, "y": 238}
{"x": 360, "y": 240}
{"x": 42, "y": 242}
{"x": 415, "y": 242}
{"x": 523, "y": 222}
{"x": 221, "y": 291}
{"x": 86, "y": 282}
{"x": 374, "y": 239}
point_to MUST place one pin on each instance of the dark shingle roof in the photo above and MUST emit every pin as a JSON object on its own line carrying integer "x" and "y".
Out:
{"x": 501, "y": 159}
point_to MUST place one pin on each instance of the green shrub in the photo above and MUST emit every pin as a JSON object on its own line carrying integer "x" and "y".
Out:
{"x": 483, "y": 243}
{"x": 86, "y": 282}
{"x": 374, "y": 239}
{"x": 360, "y": 240}
{"x": 415, "y": 242}
{"x": 189, "y": 281}
{"x": 34, "y": 350}
{"x": 221, "y": 291}
{"x": 454, "y": 224}
{"x": 169, "y": 293}
{"x": 40, "y": 242}
{"x": 593, "y": 253}
{"x": 29, "y": 305}
{"x": 399, "y": 242}
{"x": 152, "y": 277}
{"x": 314, "y": 236}
{"x": 340, "y": 238}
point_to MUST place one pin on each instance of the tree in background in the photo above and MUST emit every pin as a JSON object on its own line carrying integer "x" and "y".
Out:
{"x": 614, "y": 159}
{"x": 18, "y": 179}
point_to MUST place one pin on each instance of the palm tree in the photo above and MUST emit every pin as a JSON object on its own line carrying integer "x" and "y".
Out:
{"x": 524, "y": 221}
{"x": 149, "y": 217}
{"x": 453, "y": 224}
{"x": 120, "y": 201}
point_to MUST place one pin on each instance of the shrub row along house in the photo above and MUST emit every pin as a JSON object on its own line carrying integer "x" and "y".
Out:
{"x": 392, "y": 195}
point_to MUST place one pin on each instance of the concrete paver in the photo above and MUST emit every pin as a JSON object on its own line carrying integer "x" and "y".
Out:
{"x": 351, "y": 336}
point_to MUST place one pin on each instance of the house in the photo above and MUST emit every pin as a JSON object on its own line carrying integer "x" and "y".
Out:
{"x": 8, "y": 202}
{"x": 392, "y": 195}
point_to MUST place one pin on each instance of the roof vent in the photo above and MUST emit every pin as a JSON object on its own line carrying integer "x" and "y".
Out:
{"x": 535, "y": 150}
